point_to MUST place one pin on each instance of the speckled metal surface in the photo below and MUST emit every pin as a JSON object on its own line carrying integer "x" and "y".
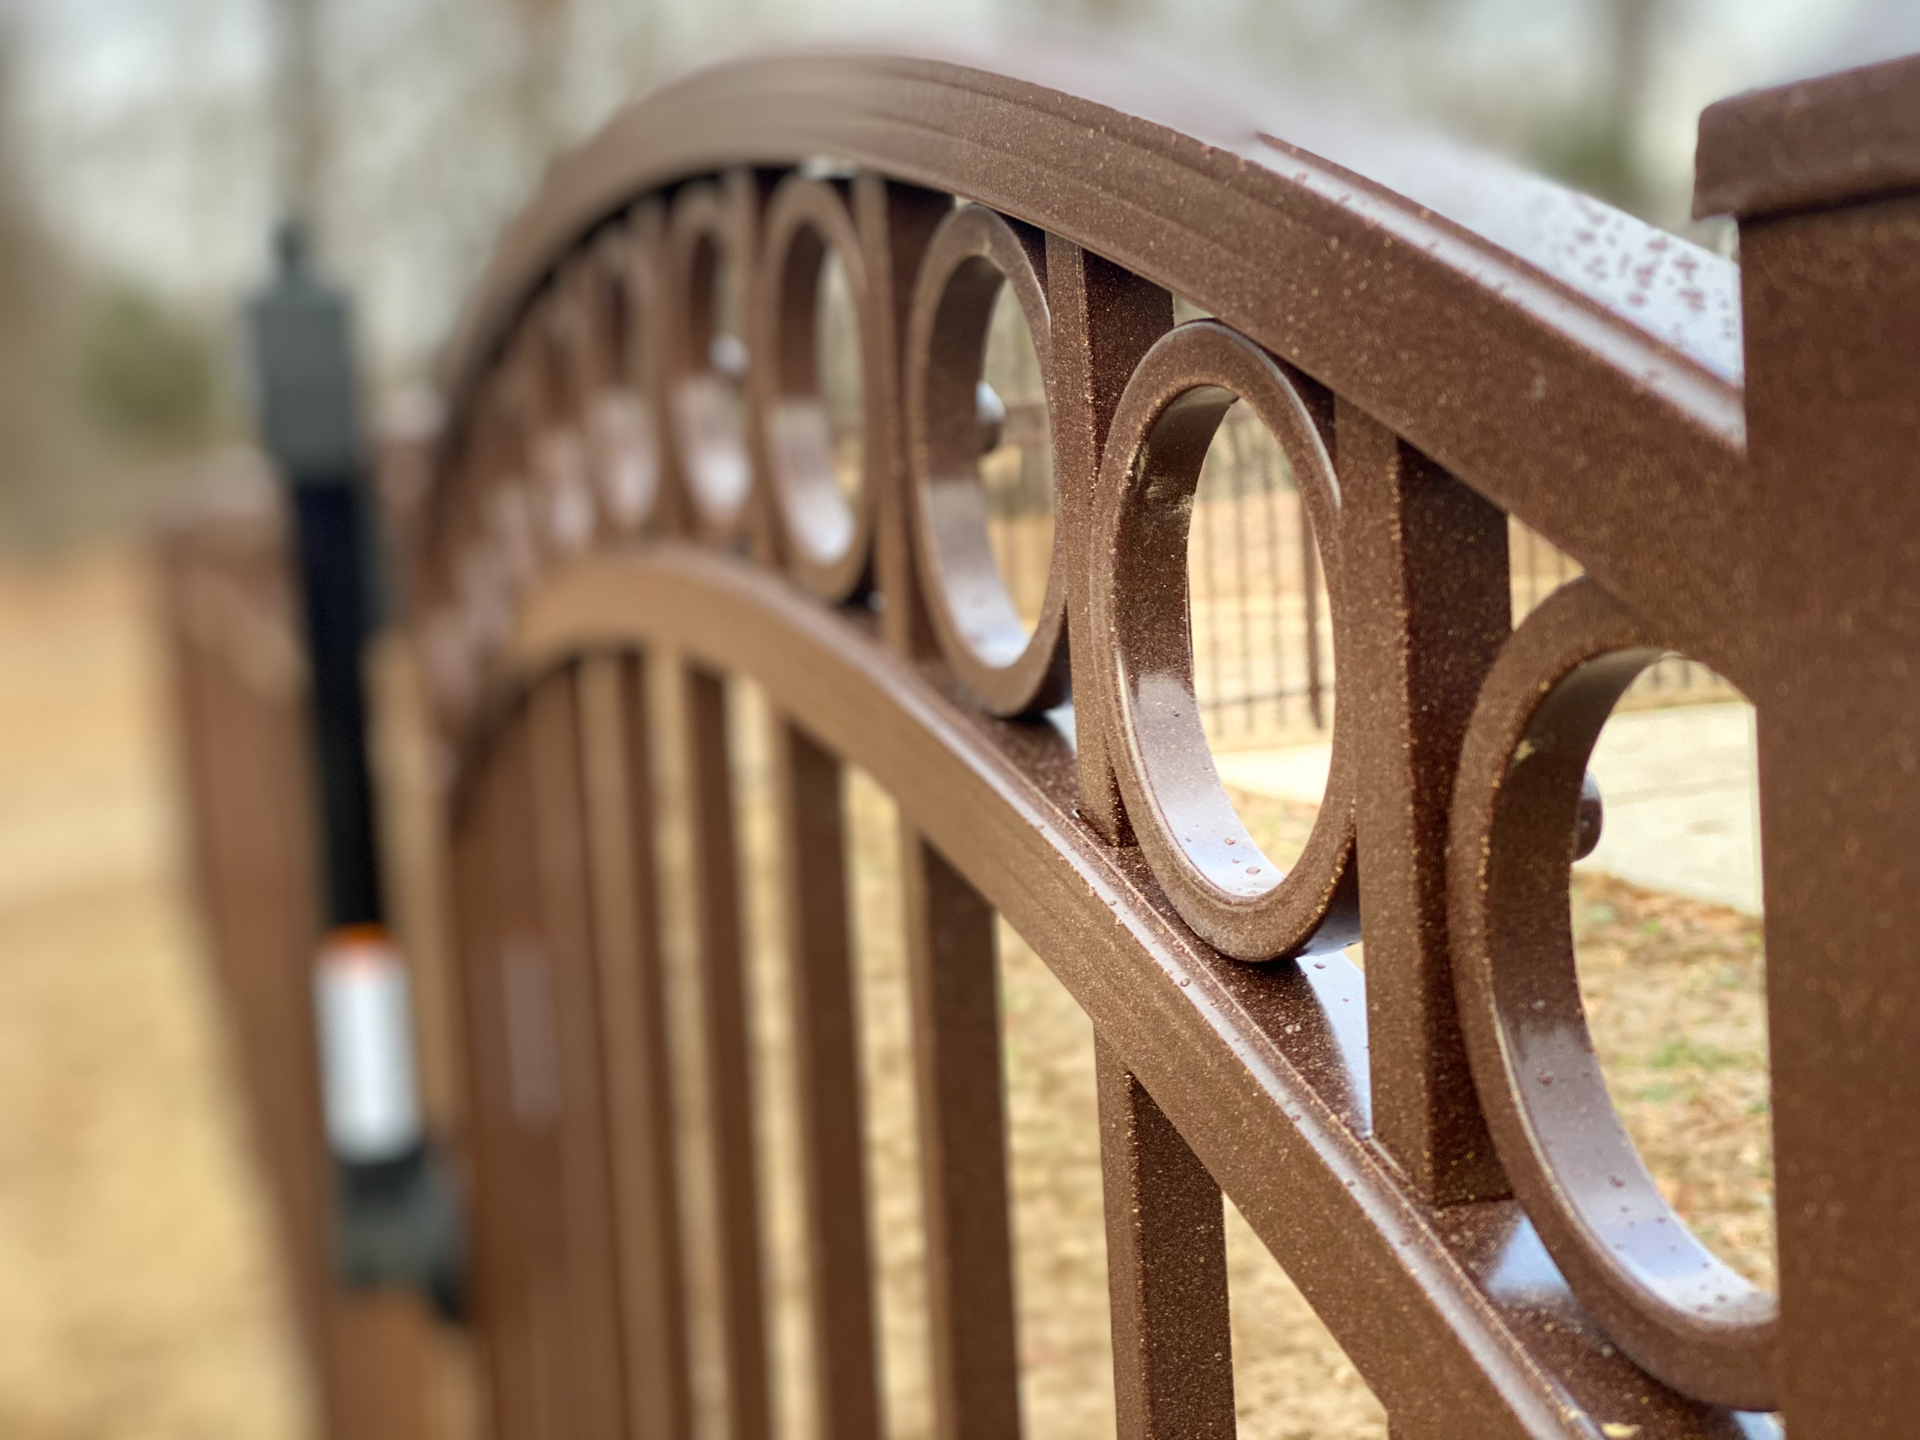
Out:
{"x": 1832, "y": 298}
{"x": 1842, "y": 137}
{"x": 1454, "y": 1216}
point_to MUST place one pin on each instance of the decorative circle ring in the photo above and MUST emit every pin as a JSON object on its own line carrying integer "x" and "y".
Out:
{"x": 972, "y": 255}
{"x": 706, "y": 368}
{"x": 1232, "y": 894}
{"x": 553, "y": 438}
{"x": 613, "y": 292}
{"x": 826, "y": 539}
{"x": 1662, "y": 1296}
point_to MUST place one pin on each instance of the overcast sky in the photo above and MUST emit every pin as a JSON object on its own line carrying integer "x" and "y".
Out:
{"x": 146, "y": 134}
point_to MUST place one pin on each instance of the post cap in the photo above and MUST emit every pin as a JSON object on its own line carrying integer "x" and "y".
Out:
{"x": 1840, "y": 137}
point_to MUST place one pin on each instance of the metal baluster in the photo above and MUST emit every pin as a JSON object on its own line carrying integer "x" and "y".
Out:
{"x": 1310, "y": 595}
{"x": 963, "y": 1148}
{"x": 616, "y": 748}
{"x": 808, "y": 795}
{"x": 1212, "y": 700}
{"x": 719, "y": 961}
{"x": 1435, "y": 553}
{"x": 1167, "y": 1269}
{"x": 502, "y": 1262}
{"x": 523, "y": 981}
{"x": 595, "y": 1387}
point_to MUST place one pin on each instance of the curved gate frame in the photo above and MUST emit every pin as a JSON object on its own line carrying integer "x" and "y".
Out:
{"x": 1448, "y": 377}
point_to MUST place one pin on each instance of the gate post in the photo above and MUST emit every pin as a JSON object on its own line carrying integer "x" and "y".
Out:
{"x": 1824, "y": 177}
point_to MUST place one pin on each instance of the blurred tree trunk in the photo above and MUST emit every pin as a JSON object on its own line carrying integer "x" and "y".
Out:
{"x": 1613, "y": 167}
{"x": 1629, "y": 57}
{"x": 301, "y": 112}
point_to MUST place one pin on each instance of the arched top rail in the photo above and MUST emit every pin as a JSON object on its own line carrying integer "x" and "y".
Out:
{"x": 1575, "y": 365}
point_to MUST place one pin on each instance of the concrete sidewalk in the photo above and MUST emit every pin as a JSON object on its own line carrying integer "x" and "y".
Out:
{"x": 1679, "y": 785}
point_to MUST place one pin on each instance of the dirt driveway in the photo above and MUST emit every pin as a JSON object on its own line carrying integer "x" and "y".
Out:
{"x": 140, "y": 1300}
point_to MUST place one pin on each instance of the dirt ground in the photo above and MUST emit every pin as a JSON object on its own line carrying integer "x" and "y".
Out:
{"x": 141, "y": 1298}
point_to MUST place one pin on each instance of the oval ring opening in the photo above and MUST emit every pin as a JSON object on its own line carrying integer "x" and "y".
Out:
{"x": 813, "y": 329}
{"x": 974, "y": 255}
{"x": 1666, "y": 1299}
{"x": 550, "y": 422}
{"x": 617, "y": 371}
{"x": 1223, "y": 885}
{"x": 707, "y": 378}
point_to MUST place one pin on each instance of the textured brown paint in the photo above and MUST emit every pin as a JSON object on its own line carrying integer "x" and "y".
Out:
{"x": 1425, "y": 563}
{"x": 1833, "y": 336}
{"x": 1310, "y": 625}
{"x": 1836, "y": 139}
{"x": 747, "y": 193}
{"x": 1167, "y": 1263}
{"x": 501, "y": 1300}
{"x": 596, "y": 1384}
{"x": 496, "y": 1303}
{"x": 720, "y": 962}
{"x": 1104, "y": 320}
{"x": 826, "y": 1055}
{"x": 896, "y": 222}
{"x": 617, "y": 768}
{"x": 519, "y": 970}
{"x": 963, "y": 1148}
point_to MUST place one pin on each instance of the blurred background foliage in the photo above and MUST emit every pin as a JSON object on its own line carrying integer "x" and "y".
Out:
{"x": 102, "y": 373}
{"x": 146, "y": 371}
{"x": 139, "y": 170}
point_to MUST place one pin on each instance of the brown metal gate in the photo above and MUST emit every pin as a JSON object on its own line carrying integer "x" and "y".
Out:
{"x": 644, "y": 487}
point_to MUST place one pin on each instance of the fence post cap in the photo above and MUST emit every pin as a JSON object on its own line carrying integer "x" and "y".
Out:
{"x": 1824, "y": 141}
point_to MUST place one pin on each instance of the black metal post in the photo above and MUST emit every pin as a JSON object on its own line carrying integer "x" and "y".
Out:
{"x": 397, "y": 1218}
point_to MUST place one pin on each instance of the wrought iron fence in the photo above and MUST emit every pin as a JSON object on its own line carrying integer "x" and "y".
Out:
{"x": 1338, "y": 501}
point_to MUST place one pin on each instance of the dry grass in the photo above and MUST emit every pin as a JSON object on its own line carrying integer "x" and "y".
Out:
{"x": 1674, "y": 991}
{"x": 141, "y": 1301}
